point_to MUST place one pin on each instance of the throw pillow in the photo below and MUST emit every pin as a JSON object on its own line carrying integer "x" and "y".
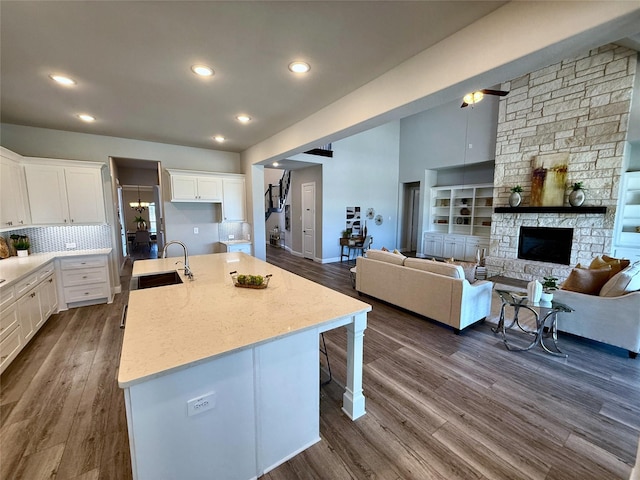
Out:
{"x": 616, "y": 264}
{"x": 627, "y": 281}
{"x": 583, "y": 280}
{"x": 469, "y": 269}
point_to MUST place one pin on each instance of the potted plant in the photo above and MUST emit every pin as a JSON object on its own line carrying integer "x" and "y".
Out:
{"x": 141, "y": 223}
{"x": 549, "y": 285}
{"x": 515, "y": 198}
{"x": 21, "y": 244}
{"x": 577, "y": 196}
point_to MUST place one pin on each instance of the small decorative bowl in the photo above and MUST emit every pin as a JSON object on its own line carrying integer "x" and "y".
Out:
{"x": 250, "y": 281}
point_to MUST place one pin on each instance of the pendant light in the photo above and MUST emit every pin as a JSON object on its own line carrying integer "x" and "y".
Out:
{"x": 139, "y": 206}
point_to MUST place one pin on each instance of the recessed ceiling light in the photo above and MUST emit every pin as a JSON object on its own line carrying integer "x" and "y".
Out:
{"x": 243, "y": 118}
{"x": 62, "y": 80}
{"x": 202, "y": 70}
{"x": 85, "y": 117}
{"x": 219, "y": 138}
{"x": 299, "y": 67}
{"x": 275, "y": 164}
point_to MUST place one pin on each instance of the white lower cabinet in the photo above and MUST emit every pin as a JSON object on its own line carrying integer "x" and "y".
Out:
{"x": 460, "y": 247}
{"x": 85, "y": 280}
{"x": 11, "y": 339}
{"x": 25, "y": 308}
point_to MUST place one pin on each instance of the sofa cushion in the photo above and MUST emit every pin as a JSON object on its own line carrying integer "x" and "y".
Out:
{"x": 585, "y": 280}
{"x": 388, "y": 257}
{"x": 441, "y": 268}
{"x": 626, "y": 281}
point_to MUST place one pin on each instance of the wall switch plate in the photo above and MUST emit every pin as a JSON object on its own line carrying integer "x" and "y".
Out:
{"x": 196, "y": 230}
{"x": 70, "y": 245}
{"x": 201, "y": 404}
{"x": 231, "y": 237}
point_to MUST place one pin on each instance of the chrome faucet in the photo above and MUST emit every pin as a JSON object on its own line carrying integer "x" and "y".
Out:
{"x": 187, "y": 270}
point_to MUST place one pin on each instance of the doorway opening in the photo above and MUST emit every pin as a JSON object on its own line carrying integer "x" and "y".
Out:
{"x": 139, "y": 212}
{"x": 411, "y": 217}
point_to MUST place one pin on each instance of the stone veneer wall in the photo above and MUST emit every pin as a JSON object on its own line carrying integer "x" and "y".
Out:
{"x": 580, "y": 106}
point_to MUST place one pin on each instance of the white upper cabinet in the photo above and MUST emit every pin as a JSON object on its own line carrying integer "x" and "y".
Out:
{"x": 195, "y": 188}
{"x": 233, "y": 202}
{"x": 14, "y": 211}
{"x": 70, "y": 195}
{"x": 205, "y": 187}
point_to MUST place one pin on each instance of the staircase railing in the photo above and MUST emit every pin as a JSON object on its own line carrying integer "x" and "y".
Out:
{"x": 280, "y": 191}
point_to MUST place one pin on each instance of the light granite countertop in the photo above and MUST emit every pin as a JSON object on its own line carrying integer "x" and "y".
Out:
{"x": 177, "y": 326}
{"x": 13, "y": 269}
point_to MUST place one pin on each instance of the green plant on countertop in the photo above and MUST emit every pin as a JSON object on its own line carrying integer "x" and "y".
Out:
{"x": 549, "y": 284}
{"x": 516, "y": 189}
{"x": 345, "y": 234}
{"x": 20, "y": 242}
{"x": 576, "y": 186}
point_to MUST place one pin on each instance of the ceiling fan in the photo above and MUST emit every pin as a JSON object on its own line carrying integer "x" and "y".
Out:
{"x": 475, "y": 97}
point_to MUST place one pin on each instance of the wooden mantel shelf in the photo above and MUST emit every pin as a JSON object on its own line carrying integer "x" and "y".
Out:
{"x": 583, "y": 210}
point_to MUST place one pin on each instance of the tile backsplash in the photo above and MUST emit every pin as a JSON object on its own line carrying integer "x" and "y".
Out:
{"x": 55, "y": 239}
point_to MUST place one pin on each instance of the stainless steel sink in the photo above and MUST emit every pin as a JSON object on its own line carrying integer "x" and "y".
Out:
{"x": 159, "y": 280}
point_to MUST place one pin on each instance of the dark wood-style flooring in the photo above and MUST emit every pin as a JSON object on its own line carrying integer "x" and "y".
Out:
{"x": 439, "y": 405}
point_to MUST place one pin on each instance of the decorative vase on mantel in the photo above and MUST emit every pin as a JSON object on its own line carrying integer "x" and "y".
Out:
{"x": 515, "y": 199}
{"x": 577, "y": 196}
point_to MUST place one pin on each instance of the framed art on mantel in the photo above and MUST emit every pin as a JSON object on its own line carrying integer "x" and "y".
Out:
{"x": 548, "y": 179}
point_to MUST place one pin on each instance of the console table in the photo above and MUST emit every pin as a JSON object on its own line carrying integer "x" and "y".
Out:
{"x": 348, "y": 243}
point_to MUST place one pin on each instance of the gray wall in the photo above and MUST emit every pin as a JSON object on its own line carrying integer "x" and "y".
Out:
{"x": 436, "y": 138}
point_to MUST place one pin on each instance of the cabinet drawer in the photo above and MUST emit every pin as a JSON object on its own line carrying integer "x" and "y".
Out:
{"x": 86, "y": 292}
{"x": 82, "y": 262}
{"x": 7, "y": 296}
{"x": 25, "y": 284}
{"x": 84, "y": 276}
{"x": 9, "y": 347}
{"x": 8, "y": 320}
{"x": 45, "y": 271}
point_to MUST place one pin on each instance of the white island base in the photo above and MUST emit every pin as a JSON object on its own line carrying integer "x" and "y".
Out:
{"x": 237, "y": 414}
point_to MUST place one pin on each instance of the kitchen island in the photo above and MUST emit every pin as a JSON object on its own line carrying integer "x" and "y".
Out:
{"x": 223, "y": 382}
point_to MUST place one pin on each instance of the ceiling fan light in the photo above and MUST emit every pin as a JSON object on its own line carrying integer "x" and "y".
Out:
{"x": 473, "y": 97}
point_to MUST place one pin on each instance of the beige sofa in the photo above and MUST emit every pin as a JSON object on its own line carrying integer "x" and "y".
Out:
{"x": 436, "y": 290}
{"x": 612, "y": 317}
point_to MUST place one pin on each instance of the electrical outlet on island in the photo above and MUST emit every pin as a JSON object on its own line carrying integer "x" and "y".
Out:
{"x": 231, "y": 237}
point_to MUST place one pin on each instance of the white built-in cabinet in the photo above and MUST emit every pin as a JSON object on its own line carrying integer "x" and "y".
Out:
{"x": 460, "y": 247}
{"x": 205, "y": 187}
{"x": 233, "y": 199}
{"x": 627, "y": 235}
{"x": 195, "y": 188}
{"x": 65, "y": 194}
{"x": 24, "y": 308}
{"x": 14, "y": 210}
{"x": 459, "y": 221}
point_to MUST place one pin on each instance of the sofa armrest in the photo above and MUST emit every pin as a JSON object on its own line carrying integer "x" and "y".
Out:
{"x": 612, "y": 320}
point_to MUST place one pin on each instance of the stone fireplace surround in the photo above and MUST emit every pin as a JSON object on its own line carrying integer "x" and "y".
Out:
{"x": 581, "y": 106}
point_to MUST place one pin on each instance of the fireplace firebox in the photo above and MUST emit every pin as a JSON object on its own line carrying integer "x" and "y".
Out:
{"x": 544, "y": 244}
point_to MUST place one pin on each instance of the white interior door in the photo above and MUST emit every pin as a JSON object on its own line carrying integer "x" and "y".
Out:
{"x": 123, "y": 230}
{"x": 309, "y": 220}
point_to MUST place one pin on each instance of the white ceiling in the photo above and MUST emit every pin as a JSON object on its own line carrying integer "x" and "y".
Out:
{"x": 132, "y": 62}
